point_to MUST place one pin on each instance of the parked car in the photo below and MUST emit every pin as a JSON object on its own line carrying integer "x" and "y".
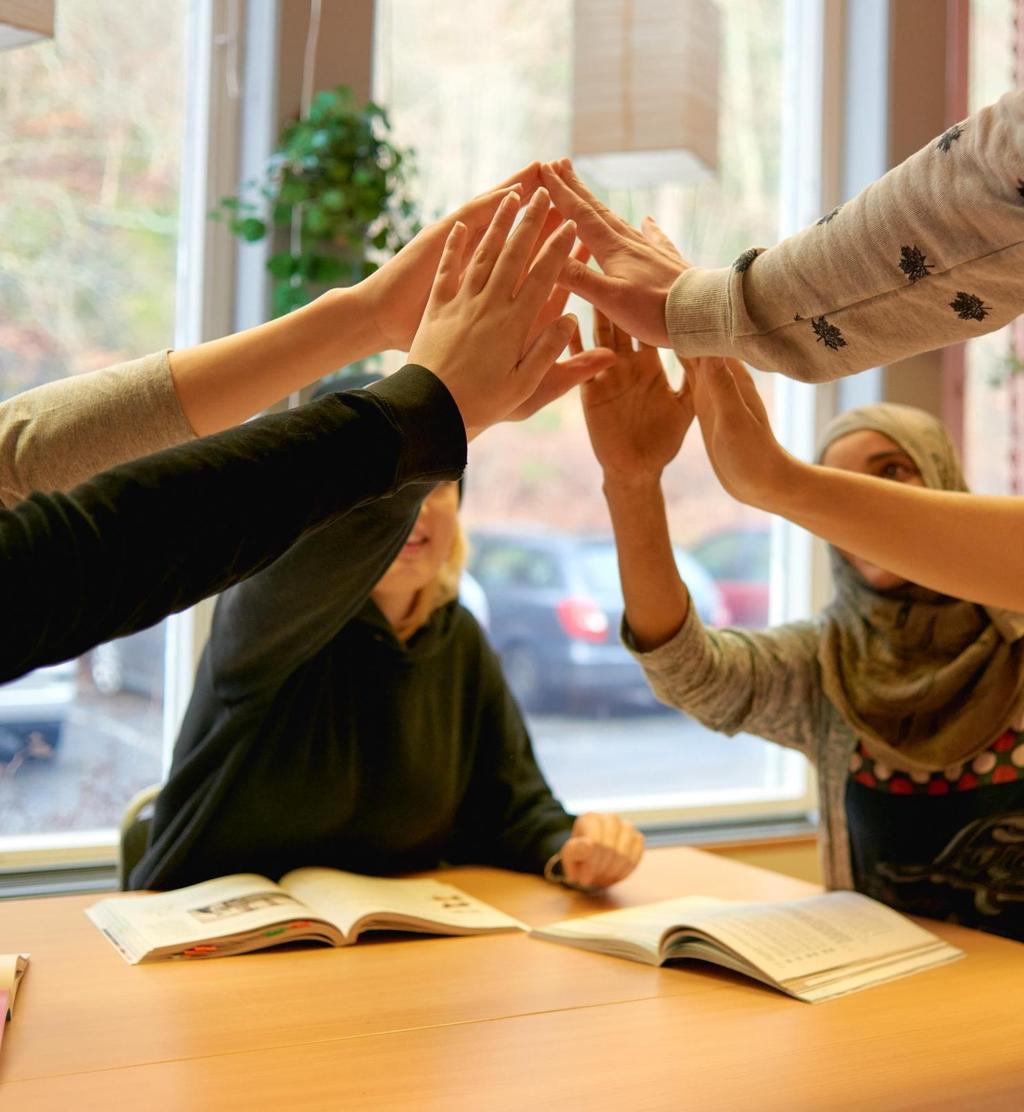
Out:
{"x": 739, "y": 561}
{"x": 556, "y": 606}
{"x": 134, "y": 663}
{"x": 33, "y": 710}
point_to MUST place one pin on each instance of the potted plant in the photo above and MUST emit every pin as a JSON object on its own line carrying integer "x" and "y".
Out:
{"x": 340, "y": 185}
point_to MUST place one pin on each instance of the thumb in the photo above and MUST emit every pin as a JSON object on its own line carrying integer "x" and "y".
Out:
{"x": 544, "y": 350}
{"x": 590, "y": 284}
{"x": 576, "y": 855}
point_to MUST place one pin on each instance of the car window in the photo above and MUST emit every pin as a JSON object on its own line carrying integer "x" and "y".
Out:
{"x": 513, "y": 565}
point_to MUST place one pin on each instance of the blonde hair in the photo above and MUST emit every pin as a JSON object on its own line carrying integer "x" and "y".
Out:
{"x": 444, "y": 588}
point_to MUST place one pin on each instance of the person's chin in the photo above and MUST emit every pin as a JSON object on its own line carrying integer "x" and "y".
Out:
{"x": 883, "y": 580}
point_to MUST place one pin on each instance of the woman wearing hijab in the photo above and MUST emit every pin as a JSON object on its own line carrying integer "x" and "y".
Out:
{"x": 349, "y": 712}
{"x": 907, "y": 702}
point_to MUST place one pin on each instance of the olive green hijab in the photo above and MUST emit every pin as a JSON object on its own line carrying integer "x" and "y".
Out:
{"x": 924, "y": 680}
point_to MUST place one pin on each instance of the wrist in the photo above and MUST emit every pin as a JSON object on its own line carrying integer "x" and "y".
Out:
{"x": 618, "y": 484}
{"x": 345, "y": 316}
{"x": 789, "y": 490}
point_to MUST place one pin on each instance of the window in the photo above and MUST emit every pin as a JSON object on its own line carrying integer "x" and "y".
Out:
{"x": 994, "y": 386}
{"x": 478, "y": 90}
{"x": 91, "y": 134}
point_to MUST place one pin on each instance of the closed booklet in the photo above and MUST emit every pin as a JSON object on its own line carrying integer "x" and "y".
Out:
{"x": 813, "y": 948}
{"x": 244, "y": 912}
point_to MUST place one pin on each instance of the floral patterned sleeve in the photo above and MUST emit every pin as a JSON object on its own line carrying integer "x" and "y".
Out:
{"x": 930, "y": 254}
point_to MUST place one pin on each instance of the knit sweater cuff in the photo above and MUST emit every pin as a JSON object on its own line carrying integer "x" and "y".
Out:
{"x": 697, "y": 312}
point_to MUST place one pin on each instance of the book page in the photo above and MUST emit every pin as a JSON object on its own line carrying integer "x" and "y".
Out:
{"x": 348, "y": 900}
{"x": 801, "y": 937}
{"x": 641, "y": 927}
{"x": 213, "y": 909}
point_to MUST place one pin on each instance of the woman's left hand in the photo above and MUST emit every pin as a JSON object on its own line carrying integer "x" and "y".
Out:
{"x": 601, "y": 850}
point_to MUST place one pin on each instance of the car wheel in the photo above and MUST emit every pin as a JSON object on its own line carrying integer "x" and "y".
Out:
{"x": 524, "y": 675}
{"x": 107, "y": 669}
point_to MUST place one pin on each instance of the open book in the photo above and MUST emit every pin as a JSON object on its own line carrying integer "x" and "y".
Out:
{"x": 236, "y": 914}
{"x": 814, "y": 948}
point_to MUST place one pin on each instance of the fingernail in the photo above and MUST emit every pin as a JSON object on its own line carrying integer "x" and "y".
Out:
{"x": 568, "y": 325}
{"x": 569, "y": 226}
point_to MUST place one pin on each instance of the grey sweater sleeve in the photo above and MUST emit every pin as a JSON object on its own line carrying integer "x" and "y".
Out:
{"x": 56, "y": 436}
{"x": 764, "y": 682}
{"x": 930, "y": 254}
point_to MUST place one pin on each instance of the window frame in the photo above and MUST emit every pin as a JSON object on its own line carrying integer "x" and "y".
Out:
{"x": 204, "y": 308}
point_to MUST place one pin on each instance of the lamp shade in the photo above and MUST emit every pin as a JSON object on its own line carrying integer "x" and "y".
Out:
{"x": 645, "y": 90}
{"x": 25, "y": 21}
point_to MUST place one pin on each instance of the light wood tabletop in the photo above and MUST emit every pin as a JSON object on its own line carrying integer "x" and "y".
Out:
{"x": 499, "y": 1022}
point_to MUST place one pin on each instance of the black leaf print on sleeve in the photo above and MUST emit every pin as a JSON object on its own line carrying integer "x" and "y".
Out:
{"x": 830, "y": 216}
{"x": 949, "y": 137}
{"x": 969, "y": 307}
{"x": 827, "y": 334}
{"x": 913, "y": 264}
{"x": 743, "y": 262}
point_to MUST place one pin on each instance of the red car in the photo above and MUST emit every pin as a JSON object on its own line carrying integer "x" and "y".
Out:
{"x": 739, "y": 561}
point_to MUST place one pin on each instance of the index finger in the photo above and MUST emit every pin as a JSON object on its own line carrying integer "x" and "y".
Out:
{"x": 528, "y": 177}
{"x": 595, "y": 231}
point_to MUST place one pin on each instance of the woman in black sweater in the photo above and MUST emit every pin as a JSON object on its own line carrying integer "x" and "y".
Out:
{"x": 349, "y": 712}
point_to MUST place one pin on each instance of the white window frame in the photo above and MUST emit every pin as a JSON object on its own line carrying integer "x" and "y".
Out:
{"x": 205, "y": 308}
{"x": 811, "y": 158}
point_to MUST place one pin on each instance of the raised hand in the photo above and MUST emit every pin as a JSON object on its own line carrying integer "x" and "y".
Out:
{"x": 635, "y": 419}
{"x": 602, "y": 850}
{"x": 748, "y": 460}
{"x": 639, "y": 268}
{"x": 475, "y": 331}
{"x": 396, "y": 295}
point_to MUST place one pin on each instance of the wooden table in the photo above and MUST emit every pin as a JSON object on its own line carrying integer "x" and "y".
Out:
{"x": 500, "y": 1022}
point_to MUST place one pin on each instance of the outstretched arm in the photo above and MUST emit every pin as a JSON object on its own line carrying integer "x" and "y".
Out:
{"x": 930, "y": 254}
{"x": 156, "y": 535}
{"x": 58, "y": 435}
{"x": 637, "y": 423}
{"x": 964, "y": 545}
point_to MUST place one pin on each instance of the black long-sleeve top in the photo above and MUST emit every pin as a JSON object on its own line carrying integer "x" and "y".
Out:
{"x": 314, "y": 737}
{"x": 154, "y": 536}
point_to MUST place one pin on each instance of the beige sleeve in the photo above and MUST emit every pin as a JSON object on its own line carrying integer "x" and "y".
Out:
{"x": 57, "y": 435}
{"x": 931, "y": 254}
{"x": 763, "y": 682}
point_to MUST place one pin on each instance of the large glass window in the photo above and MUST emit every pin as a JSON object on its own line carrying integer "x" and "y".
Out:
{"x": 90, "y": 145}
{"x": 478, "y": 90}
{"x": 994, "y": 386}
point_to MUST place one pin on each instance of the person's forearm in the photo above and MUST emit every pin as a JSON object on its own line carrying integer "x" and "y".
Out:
{"x": 154, "y": 536}
{"x": 964, "y": 545}
{"x": 656, "y": 598}
{"x": 224, "y": 382}
{"x": 930, "y": 254}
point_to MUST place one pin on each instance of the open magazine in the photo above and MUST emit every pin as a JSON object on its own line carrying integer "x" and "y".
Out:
{"x": 236, "y": 914}
{"x": 813, "y": 948}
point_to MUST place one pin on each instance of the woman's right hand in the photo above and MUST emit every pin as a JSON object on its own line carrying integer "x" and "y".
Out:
{"x": 635, "y": 419}
{"x": 475, "y": 334}
{"x": 749, "y": 462}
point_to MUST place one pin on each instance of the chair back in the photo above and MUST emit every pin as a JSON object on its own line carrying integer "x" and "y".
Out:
{"x": 135, "y": 823}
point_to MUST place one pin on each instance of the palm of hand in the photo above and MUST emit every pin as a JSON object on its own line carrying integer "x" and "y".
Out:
{"x": 636, "y": 421}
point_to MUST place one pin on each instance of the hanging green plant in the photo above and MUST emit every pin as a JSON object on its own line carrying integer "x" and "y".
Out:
{"x": 341, "y": 186}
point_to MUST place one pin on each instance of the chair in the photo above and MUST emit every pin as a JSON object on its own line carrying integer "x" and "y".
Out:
{"x": 135, "y": 823}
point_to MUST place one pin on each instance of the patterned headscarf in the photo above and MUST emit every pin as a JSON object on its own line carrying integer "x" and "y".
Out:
{"x": 925, "y": 681}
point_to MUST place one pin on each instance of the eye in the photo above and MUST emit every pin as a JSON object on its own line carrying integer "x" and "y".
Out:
{"x": 898, "y": 470}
